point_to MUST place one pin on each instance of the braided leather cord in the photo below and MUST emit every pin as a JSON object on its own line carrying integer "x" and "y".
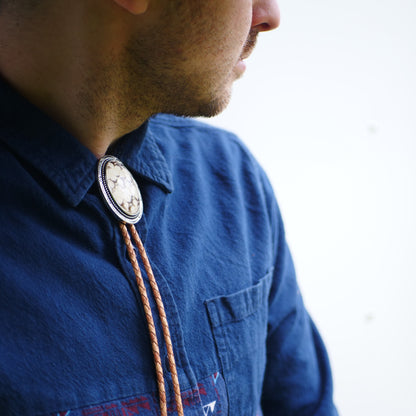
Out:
{"x": 150, "y": 321}
{"x": 149, "y": 318}
{"x": 162, "y": 315}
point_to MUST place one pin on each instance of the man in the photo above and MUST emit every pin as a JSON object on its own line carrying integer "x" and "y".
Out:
{"x": 88, "y": 78}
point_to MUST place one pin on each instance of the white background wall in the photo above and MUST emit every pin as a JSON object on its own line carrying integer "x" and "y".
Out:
{"x": 328, "y": 106}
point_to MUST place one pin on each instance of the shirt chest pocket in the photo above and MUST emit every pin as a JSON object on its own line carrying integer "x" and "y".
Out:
{"x": 239, "y": 326}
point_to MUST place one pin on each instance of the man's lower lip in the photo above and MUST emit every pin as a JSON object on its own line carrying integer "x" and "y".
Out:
{"x": 241, "y": 66}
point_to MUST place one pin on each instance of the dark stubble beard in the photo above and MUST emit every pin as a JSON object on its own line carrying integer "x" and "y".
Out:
{"x": 153, "y": 81}
{"x": 130, "y": 88}
{"x": 164, "y": 89}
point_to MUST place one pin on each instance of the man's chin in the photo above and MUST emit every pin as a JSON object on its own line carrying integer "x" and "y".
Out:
{"x": 214, "y": 108}
{"x": 209, "y": 108}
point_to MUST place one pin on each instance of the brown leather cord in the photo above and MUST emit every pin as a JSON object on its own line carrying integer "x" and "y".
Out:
{"x": 149, "y": 317}
{"x": 162, "y": 315}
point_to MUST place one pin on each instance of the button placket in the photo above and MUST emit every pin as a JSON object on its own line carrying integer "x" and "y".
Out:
{"x": 122, "y": 196}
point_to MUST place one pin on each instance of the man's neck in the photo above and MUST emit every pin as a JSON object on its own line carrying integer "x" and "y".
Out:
{"x": 83, "y": 89}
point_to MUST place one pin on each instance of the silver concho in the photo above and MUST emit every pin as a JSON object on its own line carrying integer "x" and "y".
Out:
{"x": 119, "y": 189}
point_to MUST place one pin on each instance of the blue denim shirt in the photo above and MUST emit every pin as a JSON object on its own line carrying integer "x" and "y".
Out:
{"x": 74, "y": 339}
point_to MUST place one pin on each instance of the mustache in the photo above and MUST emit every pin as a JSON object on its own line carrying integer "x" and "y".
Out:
{"x": 250, "y": 44}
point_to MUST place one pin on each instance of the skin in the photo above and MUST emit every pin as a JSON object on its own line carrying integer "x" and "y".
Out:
{"x": 102, "y": 67}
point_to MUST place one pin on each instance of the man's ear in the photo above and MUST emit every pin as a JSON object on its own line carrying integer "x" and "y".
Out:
{"x": 133, "y": 6}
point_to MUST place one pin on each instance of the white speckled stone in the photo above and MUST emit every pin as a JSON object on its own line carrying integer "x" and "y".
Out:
{"x": 123, "y": 188}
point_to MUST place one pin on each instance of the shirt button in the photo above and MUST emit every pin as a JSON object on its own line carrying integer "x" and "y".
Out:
{"x": 167, "y": 364}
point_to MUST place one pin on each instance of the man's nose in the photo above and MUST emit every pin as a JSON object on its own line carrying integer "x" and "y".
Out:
{"x": 266, "y": 15}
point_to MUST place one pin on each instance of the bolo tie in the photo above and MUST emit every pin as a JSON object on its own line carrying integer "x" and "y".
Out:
{"x": 122, "y": 196}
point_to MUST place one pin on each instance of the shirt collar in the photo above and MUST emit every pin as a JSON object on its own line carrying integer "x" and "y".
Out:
{"x": 70, "y": 166}
{"x": 140, "y": 152}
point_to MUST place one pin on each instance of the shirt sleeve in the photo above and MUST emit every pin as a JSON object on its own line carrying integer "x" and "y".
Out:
{"x": 298, "y": 377}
